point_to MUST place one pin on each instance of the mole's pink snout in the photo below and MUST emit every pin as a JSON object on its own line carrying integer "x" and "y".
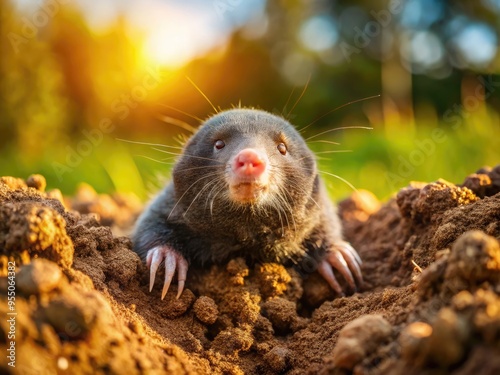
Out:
{"x": 249, "y": 163}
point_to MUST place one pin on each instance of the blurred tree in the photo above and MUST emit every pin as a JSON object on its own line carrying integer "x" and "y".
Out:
{"x": 32, "y": 107}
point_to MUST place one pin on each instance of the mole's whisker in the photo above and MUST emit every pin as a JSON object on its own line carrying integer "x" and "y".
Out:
{"x": 329, "y": 174}
{"x": 287, "y": 101}
{"x": 320, "y": 158}
{"x": 147, "y": 143}
{"x": 187, "y": 190}
{"x": 341, "y": 179}
{"x": 300, "y": 97}
{"x": 325, "y": 141}
{"x": 341, "y": 128}
{"x": 167, "y": 152}
{"x": 207, "y": 184}
{"x": 184, "y": 154}
{"x": 331, "y": 151}
{"x": 176, "y": 122}
{"x": 202, "y": 94}
{"x": 180, "y": 111}
{"x": 201, "y": 167}
{"x": 153, "y": 159}
{"x": 213, "y": 200}
{"x": 339, "y": 107}
{"x": 208, "y": 201}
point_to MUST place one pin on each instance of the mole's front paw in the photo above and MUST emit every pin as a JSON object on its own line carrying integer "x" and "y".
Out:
{"x": 344, "y": 259}
{"x": 173, "y": 261}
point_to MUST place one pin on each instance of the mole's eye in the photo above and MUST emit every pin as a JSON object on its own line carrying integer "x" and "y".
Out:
{"x": 219, "y": 144}
{"x": 282, "y": 148}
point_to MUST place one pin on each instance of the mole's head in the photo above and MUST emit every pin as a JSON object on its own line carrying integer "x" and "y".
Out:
{"x": 245, "y": 157}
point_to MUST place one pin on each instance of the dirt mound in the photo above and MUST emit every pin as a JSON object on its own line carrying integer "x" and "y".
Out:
{"x": 430, "y": 303}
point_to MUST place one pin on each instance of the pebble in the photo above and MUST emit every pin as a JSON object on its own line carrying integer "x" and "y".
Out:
{"x": 359, "y": 338}
{"x": 39, "y": 276}
{"x": 36, "y": 181}
{"x": 278, "y": 358}
{"x": 206, "y": 310}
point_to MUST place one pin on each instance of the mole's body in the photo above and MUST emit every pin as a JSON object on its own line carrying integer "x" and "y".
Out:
{"x": 246, "y": 185}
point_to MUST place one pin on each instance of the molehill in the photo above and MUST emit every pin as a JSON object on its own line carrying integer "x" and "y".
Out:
{"x": 430, "y": 303}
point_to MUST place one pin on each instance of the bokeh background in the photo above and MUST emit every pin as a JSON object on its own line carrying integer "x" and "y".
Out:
{"x": 79, "y": 77}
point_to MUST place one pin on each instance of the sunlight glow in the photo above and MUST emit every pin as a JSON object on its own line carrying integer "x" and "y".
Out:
{"x": 172, "y": 32}
{"x": 175, "y": 35}
{"x": 172, "y": 45}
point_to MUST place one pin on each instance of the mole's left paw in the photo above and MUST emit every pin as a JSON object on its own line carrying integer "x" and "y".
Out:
{"x": 173, "y": 261}
{"x": 344, "y": 259}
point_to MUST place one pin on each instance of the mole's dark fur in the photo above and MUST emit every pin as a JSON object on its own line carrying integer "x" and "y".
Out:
{"x": 195, "y": 215}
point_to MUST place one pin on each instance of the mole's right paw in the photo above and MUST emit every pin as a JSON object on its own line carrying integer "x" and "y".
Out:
{"x": 173, "y": 261}
{"x": 346, "y": 260}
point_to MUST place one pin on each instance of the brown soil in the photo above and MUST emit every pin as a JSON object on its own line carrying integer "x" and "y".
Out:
{"x": 430, "y": 303}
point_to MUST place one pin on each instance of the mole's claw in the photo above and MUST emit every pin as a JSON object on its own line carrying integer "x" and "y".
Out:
{"x": 173, "y": 261}
{"x": 352, "y": 259}
{"x": 153, "y": 260}
{"x": 346, "y": 260}
{"x": 347, "y": 248}
{"x": 325, "y": 270}
{"x": 182, "y": 267}
{"x": 170, "y": 265}
{"x": 337, "y": 261}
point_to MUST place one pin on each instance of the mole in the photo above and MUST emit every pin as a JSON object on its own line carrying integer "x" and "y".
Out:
{"x": 245, "y": 185}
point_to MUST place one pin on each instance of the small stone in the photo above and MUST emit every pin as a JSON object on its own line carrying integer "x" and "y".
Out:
{"x": 359, "y": 338}
{"x": 73, "y": 316}
{"x": 36, "y": 181}
{"x": 449, "y": 334}
{"x": 282, "y": 314}
{"x": 173, "y": 307}
{"x": 40, "y": 276}
{"x": 414, "y": 342}
{"x": 231, "y": 341}
{"x": 206, "y": 310}
{"x": 475, "y": 258}
{"x": 316, "y": 290}
{"x": 462, "y": 300}
{"x": 441, "y": 344}
{"x": 136, "y": 327}
{"x": 278, "y": 358}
